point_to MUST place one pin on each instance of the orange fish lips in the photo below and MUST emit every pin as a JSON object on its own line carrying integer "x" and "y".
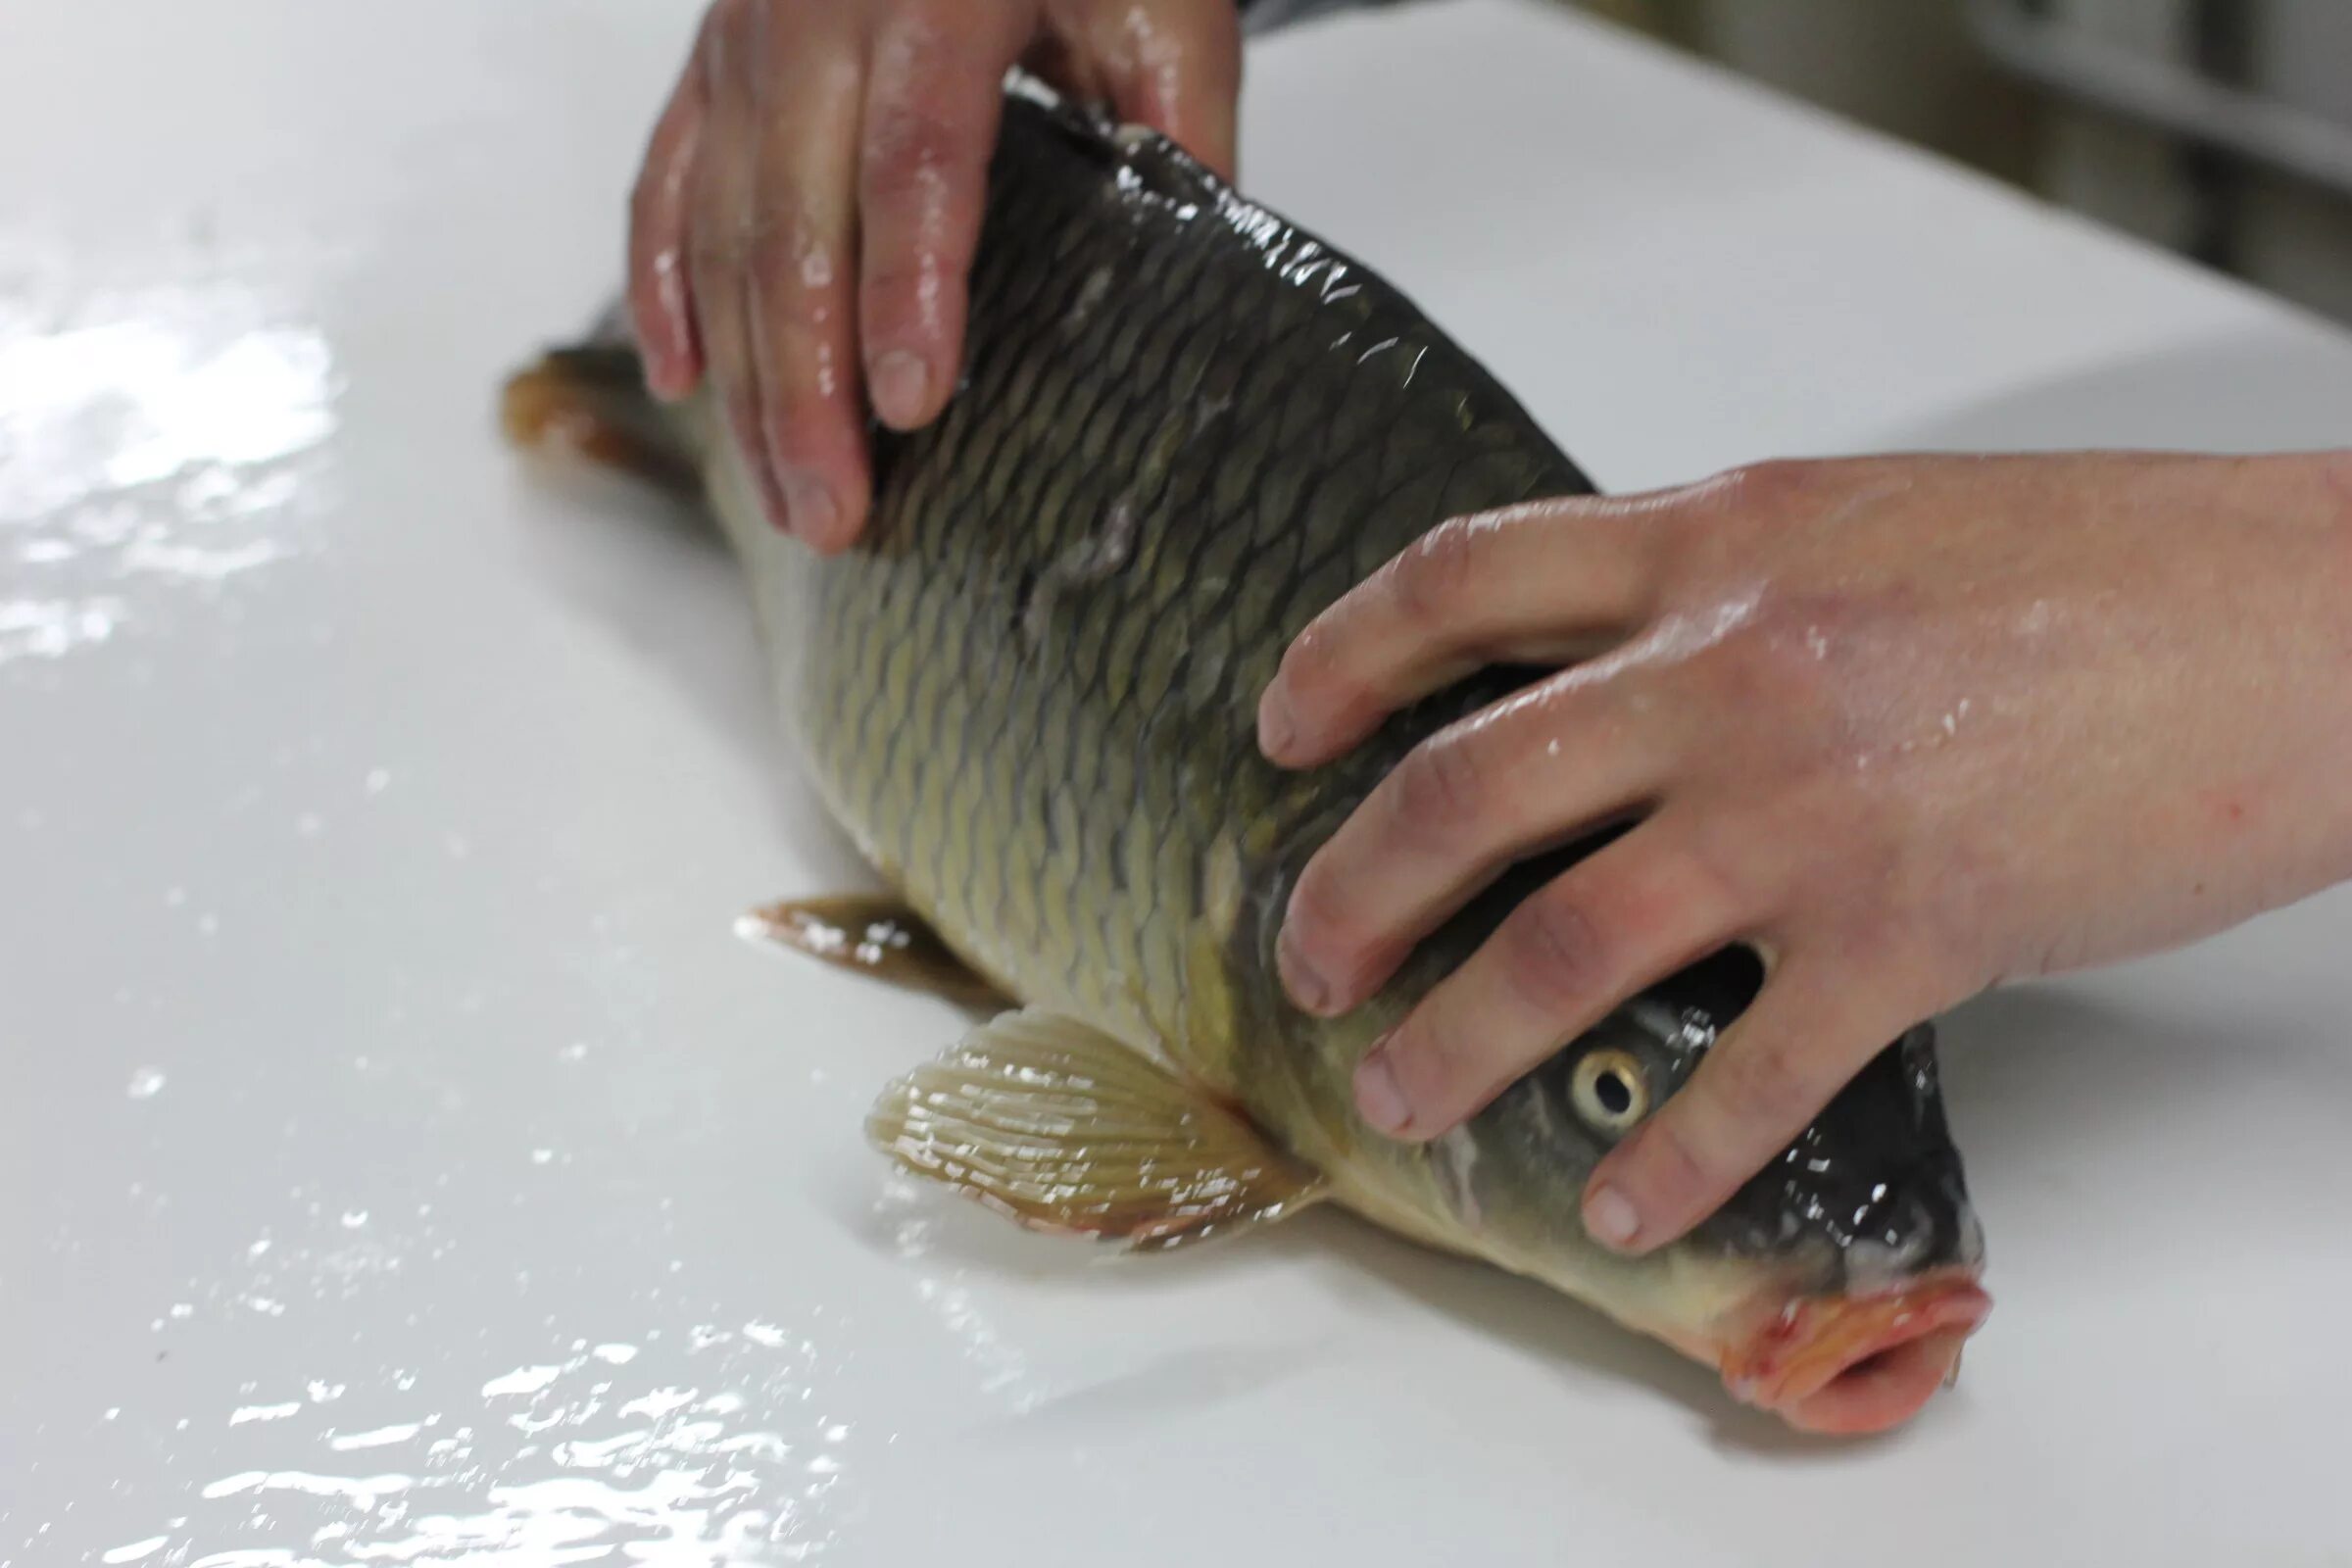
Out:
{"x": 1852, "y": 1364}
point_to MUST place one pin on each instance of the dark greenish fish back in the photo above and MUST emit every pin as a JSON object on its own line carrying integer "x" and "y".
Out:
{"x": 1078, "y": 582}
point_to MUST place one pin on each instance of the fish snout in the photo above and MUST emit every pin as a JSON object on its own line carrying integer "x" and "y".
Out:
{"x": 1855, "y": 1363}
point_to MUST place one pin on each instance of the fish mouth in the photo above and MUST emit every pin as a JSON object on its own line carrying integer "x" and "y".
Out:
{"x": 1846, "y": 1365}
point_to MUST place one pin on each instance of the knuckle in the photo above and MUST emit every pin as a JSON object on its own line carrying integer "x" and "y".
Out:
{"x": 716, "y": 250}
{"x": 1764, "y": 1080}
{"x": 909, "y": 153}
{"x": 1668, "y": 893}
{"x": 1557, "y": 955}
{"x": 726, "y": 32}
{"x": 796, "y": 275}
{"x": 1672, "y": 1166}
{"x": 911, "y": 295}
{"x": 1774, "y": 483}
{"x": 1715, "y": 876}
{"x": 1429, "y": 1069}
{"x": 1428, "y": 582}
{"x": 1783, "y": 660}
{"x": 1310, "y": 669}
{"x": 1312, "y": 923}
{"x": 773, "y": 252}
{"x": 1438, "y": 787}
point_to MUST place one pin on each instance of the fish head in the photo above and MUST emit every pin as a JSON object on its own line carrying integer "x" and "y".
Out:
{"x": 1837, "y": 1286}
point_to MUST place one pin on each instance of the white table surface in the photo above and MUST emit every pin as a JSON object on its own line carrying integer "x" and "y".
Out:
{"x": 401, "y": 1161}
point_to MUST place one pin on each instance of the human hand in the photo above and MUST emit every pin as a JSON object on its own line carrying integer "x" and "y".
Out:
{"x": 1905, "y": 726}
{"x": 802, "y": 228}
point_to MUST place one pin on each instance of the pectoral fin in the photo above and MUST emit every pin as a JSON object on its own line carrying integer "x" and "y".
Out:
{"x": 1064, "y": 1129}
{"x": 876, "y": 935}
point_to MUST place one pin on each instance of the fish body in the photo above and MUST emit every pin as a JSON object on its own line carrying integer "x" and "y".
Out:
{"x": 1029, "y": 693}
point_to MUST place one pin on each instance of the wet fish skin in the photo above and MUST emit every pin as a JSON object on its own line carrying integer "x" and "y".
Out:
{"x": 1029, "y": 693}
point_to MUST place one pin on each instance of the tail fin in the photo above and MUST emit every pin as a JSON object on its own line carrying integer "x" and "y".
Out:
{"x": 592, "y": 399}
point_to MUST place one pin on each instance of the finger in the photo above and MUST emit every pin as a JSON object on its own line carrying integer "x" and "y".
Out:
{"x": 933, "y": 104}
{"x": 799, "y": 299}
{"x": 660, "y": 303}
{"x": 1808, "y": 1033}
{"x": 1530, "y": 584}
{"x": 1525, "y": 773}
{"x": 1636, "y": 911}
{"x": 726, "y": 184}
{"x": 1179, "y": 70}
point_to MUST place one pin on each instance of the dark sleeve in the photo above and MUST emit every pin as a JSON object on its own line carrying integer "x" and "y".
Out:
{"x": 1261, "y": 16}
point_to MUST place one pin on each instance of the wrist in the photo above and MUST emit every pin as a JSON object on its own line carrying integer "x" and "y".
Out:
{"x": 2333, "y": 488}
{"x": 2335, "y": 479}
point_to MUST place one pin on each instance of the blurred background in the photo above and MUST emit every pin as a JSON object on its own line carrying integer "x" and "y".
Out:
{"x": 2219, "y": 128}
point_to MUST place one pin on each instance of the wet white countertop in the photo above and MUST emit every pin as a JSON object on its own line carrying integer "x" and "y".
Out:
{"x": 401, "y": 1161}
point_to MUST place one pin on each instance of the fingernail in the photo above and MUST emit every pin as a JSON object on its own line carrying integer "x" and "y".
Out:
{"x": 1378, "y": 1099}
{"x": 1609, "y": 1214}
{"x": 809, "y": 510}
{"x": 900, "y": 387}
{"x": 1308, "y": 989}
{"x": 1276, "y": 729}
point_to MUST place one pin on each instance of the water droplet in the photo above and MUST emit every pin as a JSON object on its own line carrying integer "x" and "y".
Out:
{"x": 146, "y": 1083}
{"x": 354, "y": 1218}
{"x": 523, "y": 1380}
{"x": 378, "y": 779}
{"x": 540, "y": 1157}
{"x": 264, "y": 1412}
{"x": 308, "y": 825}
{"x": 577, "y": 1051}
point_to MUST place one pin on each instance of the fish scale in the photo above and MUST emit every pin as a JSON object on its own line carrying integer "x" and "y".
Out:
{"x": 1029, "y": 693}
{"x": 1071, "y": 895}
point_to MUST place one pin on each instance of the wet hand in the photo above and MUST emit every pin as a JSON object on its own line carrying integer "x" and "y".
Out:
{"x": 804, "y": 225}
{"x": 1906, "y": 727}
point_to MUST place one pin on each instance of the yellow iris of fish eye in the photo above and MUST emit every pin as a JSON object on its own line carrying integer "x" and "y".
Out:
{"x": 1609, "y": 1090}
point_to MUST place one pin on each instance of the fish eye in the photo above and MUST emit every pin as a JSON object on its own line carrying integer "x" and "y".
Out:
{"x": 1609, "y": 1090}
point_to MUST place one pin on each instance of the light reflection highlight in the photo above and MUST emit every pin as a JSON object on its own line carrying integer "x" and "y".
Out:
{"x": 735, "y": 1463}
{"x": 152, "y": 440}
